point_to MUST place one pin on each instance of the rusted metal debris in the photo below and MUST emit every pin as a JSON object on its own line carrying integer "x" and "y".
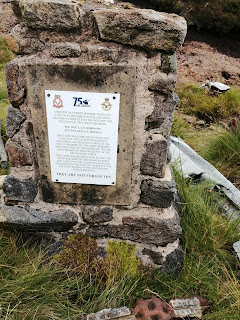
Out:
{"x": 153, "y": 309}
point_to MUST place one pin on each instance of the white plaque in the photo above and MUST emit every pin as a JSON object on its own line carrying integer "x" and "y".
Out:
{"x": 83, "y": 136}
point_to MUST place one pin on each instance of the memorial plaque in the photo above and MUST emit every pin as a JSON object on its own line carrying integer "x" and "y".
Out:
{"x": 97, "y": 83}
{"x": 83, "y": 136}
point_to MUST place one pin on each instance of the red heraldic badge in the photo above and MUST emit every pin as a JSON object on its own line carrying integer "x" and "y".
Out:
{"x": 57, "y": 101}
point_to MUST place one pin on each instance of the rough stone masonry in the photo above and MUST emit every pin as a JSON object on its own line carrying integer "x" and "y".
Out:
{"x": 90, "y": 47}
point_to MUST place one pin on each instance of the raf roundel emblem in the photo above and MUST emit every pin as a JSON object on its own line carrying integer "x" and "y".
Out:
{"x": 106, "y": 105}
{"x": 57, "y": 102}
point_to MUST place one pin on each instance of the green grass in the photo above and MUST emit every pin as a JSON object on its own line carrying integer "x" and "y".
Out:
{"x": 192, "y": 135}
{"x": 215, "y": 141}
{"x": 223, "y": 151}
{"x": 210, "y": 108}
{"x": 32, "y": 287}
{"x": 5, "y": 56}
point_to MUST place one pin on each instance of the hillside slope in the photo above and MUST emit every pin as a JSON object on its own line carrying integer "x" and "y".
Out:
{"x": 206, "y": 55}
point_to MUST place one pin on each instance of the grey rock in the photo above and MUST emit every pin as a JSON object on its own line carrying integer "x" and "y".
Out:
{"x": 29, "y": 219}
{"x": 142, "y": 28}
{"x": 158, "y": 193}
{"x": 156, "y": 257}
{"x": 14, "y": 119}
{"x": 20, "y": 189}
{"x": 48, "y": 14}
{"x": 173, "y": 263}
{"x": 97, "y": 214}
{"x": 15, "y": 84}
{"x": 153, "y": 162}
{"x": 168, "y": 63}
{"x": 161, "y": 119}
{"x": 65, "y": 49}
{"x": 147, "y": 230}
{"x": 23, "y": 40}
{"x": 165, "y": 83}
{"x": 20, "y": 147}
{"x": 102, "y": 53}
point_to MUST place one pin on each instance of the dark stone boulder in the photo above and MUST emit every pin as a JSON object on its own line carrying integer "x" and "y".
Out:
{"x": 147, "y": 230}
{"x": 157, "y": 193}
{"x": 29, "y": 219}
{"x": 97, "y": 214}
{"x": 14, "y": 119}
{"x": 154, "y": 160}
{"x": 20, "y": 189}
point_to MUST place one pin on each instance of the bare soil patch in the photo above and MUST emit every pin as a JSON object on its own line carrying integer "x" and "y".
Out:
{"x": 207, "y": 55}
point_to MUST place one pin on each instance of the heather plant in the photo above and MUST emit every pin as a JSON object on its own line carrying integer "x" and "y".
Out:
{"x": 220, "y": 15}
{"x": 79, "y": 255}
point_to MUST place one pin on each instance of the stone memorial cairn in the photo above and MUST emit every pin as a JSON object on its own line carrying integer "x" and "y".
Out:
{"x": 87, "y": 46}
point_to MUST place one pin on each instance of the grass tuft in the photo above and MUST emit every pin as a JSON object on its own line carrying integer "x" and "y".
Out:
{"x": 206, "y": 106}
{"x": 223, "y": 151}
{"x": 34, "y": 287}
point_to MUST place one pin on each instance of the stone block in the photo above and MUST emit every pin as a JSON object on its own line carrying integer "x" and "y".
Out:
{"x": 65, "y": 49}
{"x": 155, "y": 256}
{"x": 15, "y": 84}
{"x": 102, "y": 53}
{"x": 97, "y": 214}
{"x": 48, "y": 14}
{"x": 142, "y": 28}
{"x": 174, "y": 262}
{"x": 154, "y": 160}
{"x": 14, "y": 119}
{"x": 165, "y": 83}
{"x": 158, "y": 193}
{"x": 18, "y": 155}
{"x": 29, "y": 219}
{"x": 20, "y": 147}
{"x": 23, "y": 40}
{"x": 161, "y": 119}
{"x": 20, "y": 189}
{"x": 168, "y": 63}
{"x": 149, "y": 230}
